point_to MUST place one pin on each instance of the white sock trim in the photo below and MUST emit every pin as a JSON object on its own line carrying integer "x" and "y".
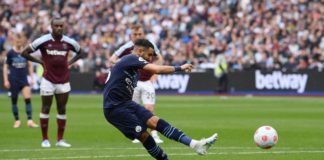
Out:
{"x": 42, "y": 115}
{"x": 61, "y": 116}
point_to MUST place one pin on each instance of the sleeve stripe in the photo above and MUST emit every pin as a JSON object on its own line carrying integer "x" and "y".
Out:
{"x": 39, "y": 41}
{"x": 72, "y": 42}
{"x": 31, "y": 46}
{"x": 123, "y": 48}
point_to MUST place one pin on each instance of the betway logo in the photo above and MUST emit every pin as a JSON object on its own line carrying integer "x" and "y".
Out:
{"x": 277, "y": 80}
{"x": 176, "y": 82}
{"x": 56, "y": 52}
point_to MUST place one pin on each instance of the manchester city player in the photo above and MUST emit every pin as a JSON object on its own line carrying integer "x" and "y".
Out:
{"x": 144, "y": 90}
{"x": 133, "y": 119}
{"x": 15, "y": 72}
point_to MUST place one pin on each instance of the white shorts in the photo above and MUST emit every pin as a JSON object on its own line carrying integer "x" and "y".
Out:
{"x": 48, "y": 88}
{"x": 144, "y": 91}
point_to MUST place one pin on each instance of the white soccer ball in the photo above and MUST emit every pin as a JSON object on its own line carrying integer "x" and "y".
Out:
{"x": 265, "y": 137}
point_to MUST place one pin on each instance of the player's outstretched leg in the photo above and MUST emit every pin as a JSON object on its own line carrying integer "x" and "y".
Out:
{"x": 152, "y": 148}
{"x": 173, "y": 133}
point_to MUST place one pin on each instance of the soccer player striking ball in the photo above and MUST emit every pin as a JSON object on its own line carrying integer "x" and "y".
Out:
{"x": 54, "y": 48}
{"x": 18, "y": 67}
{"x": 144, "y": 89}
{"x": 133, "y": 119}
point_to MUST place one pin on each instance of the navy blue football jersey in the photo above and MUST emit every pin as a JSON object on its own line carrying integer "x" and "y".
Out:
{"x": 122, "y": 80}
{"x": 18, "y": 69}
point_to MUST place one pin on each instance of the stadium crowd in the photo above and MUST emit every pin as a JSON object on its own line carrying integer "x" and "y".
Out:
{"x": 253, "y": 34}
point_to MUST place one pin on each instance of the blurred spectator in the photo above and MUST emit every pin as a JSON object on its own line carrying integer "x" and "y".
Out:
{"x": 99, "y": 81}
{"x": 101, "y": 73}
{"x": 220, "y": 72}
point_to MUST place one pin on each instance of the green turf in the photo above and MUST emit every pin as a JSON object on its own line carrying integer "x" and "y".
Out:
{"x": 298, "y": 120}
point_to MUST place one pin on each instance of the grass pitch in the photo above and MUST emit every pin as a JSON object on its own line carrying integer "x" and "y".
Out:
{"x": 299, "y": 122}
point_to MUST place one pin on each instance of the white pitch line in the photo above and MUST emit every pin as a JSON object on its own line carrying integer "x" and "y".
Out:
{"x": 175, "y": 154}
{"x": 124, "y": 148}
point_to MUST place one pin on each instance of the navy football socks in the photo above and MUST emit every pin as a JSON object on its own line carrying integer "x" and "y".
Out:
{"x": 28, "y": 108}
{"x": 173, "y": 133}
{"x": 14, "y": 107}
{"x": 15, "y": 112}
{"x": 154, "y": 150}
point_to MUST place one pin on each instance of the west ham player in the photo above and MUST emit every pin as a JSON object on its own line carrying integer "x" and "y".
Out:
{"x": 133, "y": 119}
{"x": 144, "y": 91}
{"x": 18, "y": 67}
{"x": 54, "y": 48}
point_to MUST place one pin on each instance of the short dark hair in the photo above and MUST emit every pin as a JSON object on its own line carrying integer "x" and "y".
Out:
{"x": 144, "y": 43}
{"x": 56, "y": 18}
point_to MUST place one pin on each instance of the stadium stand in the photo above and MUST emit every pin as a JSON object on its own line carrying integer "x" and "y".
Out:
{"x": 265, "y": 34}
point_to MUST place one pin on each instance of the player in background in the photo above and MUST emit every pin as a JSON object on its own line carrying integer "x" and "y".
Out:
{"x": 144, "y": 90}
{"x": 15, "y": 73}
{"x": 131, "y": 118}
{"x": 54, "y": 48}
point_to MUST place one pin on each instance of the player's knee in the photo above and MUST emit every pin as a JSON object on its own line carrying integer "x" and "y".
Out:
{"x": 152, "y": 122}
{"x": 61, "y": 110}
{"x": 149, "y": 107}
{"x": 46, "y": 109}
{"x": 143, "y": 136}
{"x": 26, "y": 92}
{"x": 27, "y": 100}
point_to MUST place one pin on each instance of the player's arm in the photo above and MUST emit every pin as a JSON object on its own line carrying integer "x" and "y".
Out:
{"x": 77, "y": 57}
{"x": 159, "y": 69}
{"x": 114, "y": 59}
{"x": 6, "y": 82}
{"x": 31, "y": 72}
{"x": 26, "y": 53}
{"x": 159, "y": 61}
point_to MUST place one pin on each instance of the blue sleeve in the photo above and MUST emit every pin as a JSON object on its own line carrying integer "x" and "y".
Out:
{"x": 135, "y": 61}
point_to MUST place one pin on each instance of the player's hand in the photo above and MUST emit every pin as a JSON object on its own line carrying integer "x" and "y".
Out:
{"x": 31, "y": 82}
{"x": 6, "y": 84}
{"x": 187, "y": 67}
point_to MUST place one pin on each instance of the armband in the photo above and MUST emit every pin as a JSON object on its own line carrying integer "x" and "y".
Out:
{"x": 177, "y": 68}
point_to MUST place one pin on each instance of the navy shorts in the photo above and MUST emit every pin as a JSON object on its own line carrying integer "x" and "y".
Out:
{"x": 130, "y": 118}
{"x": 16, "y": 86}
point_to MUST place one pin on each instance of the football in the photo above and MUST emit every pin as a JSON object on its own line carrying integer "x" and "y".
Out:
{"x": 265, "y": 137}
